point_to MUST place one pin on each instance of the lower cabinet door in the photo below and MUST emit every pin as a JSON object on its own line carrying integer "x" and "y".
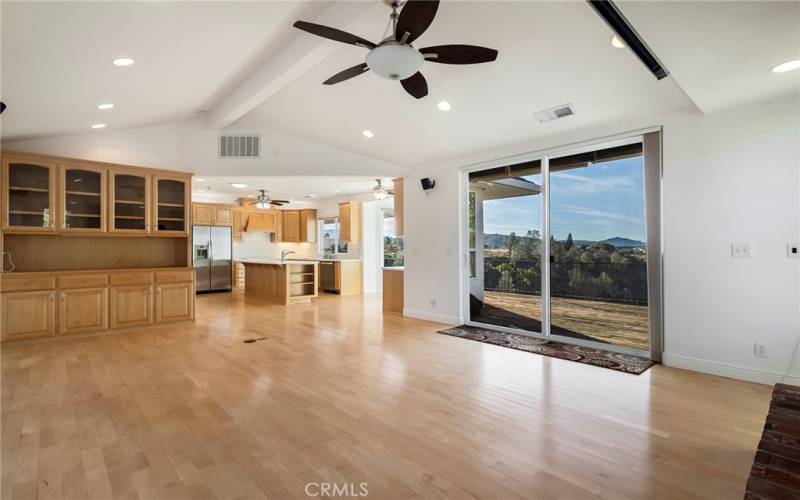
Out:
{"x": 131, "y": 305}
{"x": 28, "y": 314}
{"x": 82, "y": 310}
{"x": 174, "y": 302}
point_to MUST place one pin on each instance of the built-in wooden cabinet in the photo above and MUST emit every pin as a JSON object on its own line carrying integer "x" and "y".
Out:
{"x": 350, "y": 221}
{"x": 174, "y": 302}
{"x": 291, "y": 226}
{"x": 308, "y": 225}
{"x": 82, "y": 200}
{"x": 130, "y": 202}
{"x": 207, "y": 214}
{"x": 27, "y": 314}
{"x": 236, "y": 229}
{"x": 29, "y": 194}
{"x": 82, "y": 310}
{"x": 223, "y": 216}
{"x": 171, "y": 197}
{"x": 131, "y": 305}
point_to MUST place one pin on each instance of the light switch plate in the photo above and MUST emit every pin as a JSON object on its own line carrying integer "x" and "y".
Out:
{"x": 740, "y": 250}
{"x": 793, "y": 250}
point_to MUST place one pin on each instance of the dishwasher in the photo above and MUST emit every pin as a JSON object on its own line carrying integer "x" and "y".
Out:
{"x": 327, "y": 272}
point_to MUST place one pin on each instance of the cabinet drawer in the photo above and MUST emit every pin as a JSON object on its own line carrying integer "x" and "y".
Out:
{"x": 24, "y": 283}
{"x": 174, "y": 276}
{"x": 83, "y": 281}
{"x": 135, "y": 278}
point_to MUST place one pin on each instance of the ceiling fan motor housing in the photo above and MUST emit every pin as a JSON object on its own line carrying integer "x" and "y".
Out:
{"x": 394, "y": 61}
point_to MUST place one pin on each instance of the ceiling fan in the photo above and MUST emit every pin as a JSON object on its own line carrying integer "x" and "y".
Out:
{"x": 380, "y": 192}
{"x": 394, "y": 58}
{"x": 263, "y": 201}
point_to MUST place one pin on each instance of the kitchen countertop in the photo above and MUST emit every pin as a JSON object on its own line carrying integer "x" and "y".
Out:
{"x": 339, "y": 260}
{"x": 396, "y": 268}
{"x": 276, "y": 262}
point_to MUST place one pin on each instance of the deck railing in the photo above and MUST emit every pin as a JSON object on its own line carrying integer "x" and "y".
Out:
{"x": 597, "y": 280}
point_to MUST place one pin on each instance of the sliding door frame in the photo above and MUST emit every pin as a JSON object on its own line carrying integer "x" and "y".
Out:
{"x": 653, "y": 228}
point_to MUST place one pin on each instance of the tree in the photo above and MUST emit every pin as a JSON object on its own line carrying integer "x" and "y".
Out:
{"x": 569, "y": 244}
{"x": 511, "y": 242}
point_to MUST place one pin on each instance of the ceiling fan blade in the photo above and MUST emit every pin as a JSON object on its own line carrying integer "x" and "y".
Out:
{"x": 347, "y": 74}
{"x": 415, "y": 18}
{"x": 459, "y": 54}
{"x": 280, "y": 201}
{"x": 333, "y": 34}
{"x": 415, "y": 85}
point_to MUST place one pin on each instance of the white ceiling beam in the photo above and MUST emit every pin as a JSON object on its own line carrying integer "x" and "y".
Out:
{"x": 302, "y": 53}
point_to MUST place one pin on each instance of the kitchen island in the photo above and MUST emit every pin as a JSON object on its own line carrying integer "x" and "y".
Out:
{"x": 283, "y": 282}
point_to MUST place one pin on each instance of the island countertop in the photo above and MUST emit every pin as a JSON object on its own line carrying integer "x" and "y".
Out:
{"x": 277, "y": 262}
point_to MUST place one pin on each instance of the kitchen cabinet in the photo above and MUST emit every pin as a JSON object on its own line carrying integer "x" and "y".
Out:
{"x": 171, "y": 197}
{"x": 130, "y": 202}
{"x": 291, "y": 226}
{"x": 174, "y": 302}
{"x": 260, "y": 221}
{"x": 202, "y": 215}
{"x": 28, "y": 314}
{"x": 82, "y": 310}
{"x": 82, "y": 200}
{"x": 223, "y": 216}
{"x": 308, "y": 225}
{"x": 236, "y": 230}
{"x": 131, "y": 305}
{"x": 29, "y": 194}
{"x": 341, "y": 276}
{"x": 350, "y": 221}
{"x": 399, "y": 219}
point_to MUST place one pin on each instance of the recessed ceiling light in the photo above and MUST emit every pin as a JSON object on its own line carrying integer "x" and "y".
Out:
{"x": 311, "y": 196}
{"x": 237, "y": 185}
{"x": 99, "y": 125}
{"x": 787, "y": 66}
{"x": 123, "y": 61}
{"x": 444, "y": 105}
{"x": 105, "y": 106}
{"x": 617, "y": 43}
{"x": 368, "y": 134}
{"x": 199, "y": 179}
{"x": 337, "y": 190}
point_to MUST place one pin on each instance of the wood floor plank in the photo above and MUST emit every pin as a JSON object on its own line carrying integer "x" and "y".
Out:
{"x": 340, "y": 393}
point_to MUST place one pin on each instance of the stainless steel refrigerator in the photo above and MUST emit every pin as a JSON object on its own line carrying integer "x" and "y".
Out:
{"x": 211, "y": 257}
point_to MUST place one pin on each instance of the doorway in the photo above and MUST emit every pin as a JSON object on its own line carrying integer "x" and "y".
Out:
{"x": 566, "y": 244}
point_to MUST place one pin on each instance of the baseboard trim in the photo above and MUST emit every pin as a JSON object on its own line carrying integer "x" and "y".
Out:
{"x": 429, "y": 316}
{"x": 727, "y": 370}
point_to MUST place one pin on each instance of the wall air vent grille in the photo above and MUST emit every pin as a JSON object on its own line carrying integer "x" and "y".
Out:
{"x": 240, "y": 146}
{"x": 553, "y": 113}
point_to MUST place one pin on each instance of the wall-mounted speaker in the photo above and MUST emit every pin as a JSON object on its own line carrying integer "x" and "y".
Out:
{"x": 427, "y": 183}
{"x": 2, "y": 107}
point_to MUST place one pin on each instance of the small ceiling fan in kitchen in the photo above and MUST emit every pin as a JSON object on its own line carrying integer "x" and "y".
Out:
{"x": 380, "y": 192}
{"x": 394, "y": 58}
{"x": 263, "y": 201}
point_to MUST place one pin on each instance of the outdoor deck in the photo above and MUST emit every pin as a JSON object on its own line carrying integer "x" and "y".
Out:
{"x": 614, "y": 323}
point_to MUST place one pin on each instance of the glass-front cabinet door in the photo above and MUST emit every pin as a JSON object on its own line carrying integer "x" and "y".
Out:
{"x": 130, "y": 197}
{"x": 83, "y": 199}
{"x": 171, "y": 207}
{"x": 29, "y": 197}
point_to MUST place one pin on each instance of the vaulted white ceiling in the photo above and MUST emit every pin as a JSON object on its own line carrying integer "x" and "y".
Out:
{"x": 246, "y": 65}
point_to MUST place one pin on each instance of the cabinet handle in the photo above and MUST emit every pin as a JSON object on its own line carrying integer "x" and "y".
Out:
{"x": 63, "y": 295}
{"x": 52, "y": 296}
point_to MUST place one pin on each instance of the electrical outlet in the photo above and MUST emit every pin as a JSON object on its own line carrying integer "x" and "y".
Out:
{"x": 760, "y": 350}
{"x": 793, "y": 250}
{"x": 740, "y": 250}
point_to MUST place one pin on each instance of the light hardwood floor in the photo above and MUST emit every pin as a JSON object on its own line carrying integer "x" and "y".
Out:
{"x": 340, "y": 393}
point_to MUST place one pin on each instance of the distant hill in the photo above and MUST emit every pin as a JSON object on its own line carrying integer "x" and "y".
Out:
{"x": 501, "y": 241}
{"x": 619, "y": 241}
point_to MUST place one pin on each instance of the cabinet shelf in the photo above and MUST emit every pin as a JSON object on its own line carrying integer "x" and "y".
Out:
{"x": 83, "y": 193}
{"x": 131, "y": 217}
{"x": 90, "y": 216}
{"x": 129, "y": 202}
{"x": 29, "y": 189}
{"x": 171, "y": 219}
{"x": 25, "y": 212}
{"x": 176, "y": 205}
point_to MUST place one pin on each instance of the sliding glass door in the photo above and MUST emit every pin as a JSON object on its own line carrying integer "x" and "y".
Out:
{"x": 558, "y": 245}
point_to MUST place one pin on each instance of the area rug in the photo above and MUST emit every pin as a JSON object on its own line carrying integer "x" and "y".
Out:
{"x": 627, "y": 363}
{"x": 776, "y": 468}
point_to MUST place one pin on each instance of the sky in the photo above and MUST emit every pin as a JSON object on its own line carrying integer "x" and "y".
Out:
{"x": 600, "y": 201}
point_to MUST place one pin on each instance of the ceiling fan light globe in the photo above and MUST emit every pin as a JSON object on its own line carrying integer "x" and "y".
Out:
{"x": 394, "y": 61}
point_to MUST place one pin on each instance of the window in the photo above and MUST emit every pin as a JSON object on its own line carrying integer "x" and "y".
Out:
{"x": 472, "y": 239}
{"x": 392, "y": 244}
{"x": 330, "y": 244}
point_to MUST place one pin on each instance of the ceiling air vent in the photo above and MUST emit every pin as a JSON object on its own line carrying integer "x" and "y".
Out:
{"x": 552, "y": 114}
{"x": 240, "y": 146}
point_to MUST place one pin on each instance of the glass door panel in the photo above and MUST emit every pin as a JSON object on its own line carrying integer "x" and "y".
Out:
{"x": 504, "y": 239}
{"x": 598, "y": 259}
{"x": 83, "y": 199}
{"x": 30, "y": 196}
{"x": 170, "y": 205}
{"x": 130, "y": 202}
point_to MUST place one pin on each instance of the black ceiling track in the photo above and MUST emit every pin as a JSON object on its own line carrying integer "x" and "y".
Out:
{"x": 611, "y": 14}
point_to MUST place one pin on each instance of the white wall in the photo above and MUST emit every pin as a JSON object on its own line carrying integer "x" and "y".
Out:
{"x": 733, "y": 176}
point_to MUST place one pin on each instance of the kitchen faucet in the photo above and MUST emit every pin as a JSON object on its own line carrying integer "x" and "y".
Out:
{"x": 284, "y": 254}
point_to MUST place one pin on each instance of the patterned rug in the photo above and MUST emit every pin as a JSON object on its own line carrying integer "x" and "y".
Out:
{"x": 627, "y": 363}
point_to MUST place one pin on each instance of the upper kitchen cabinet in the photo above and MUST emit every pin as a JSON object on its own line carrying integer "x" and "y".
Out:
{"x": 130, "y": 202}
{"x": 291, "y": 226}
{"x": 171, "y": 205}
{"x": 209, "y": 214}
{"x": 29, "y": 194}
{"x": 308, "y": 225}
{"x": 350, "y": 221}
{"x": 399, "y": 219}
{"x": 82, "y": 200}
